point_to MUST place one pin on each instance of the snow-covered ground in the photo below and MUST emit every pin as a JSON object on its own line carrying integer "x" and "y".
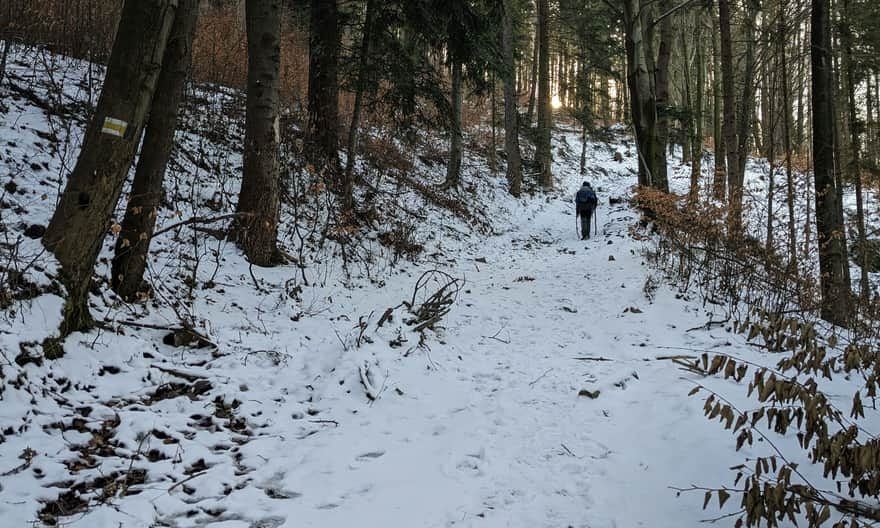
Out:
{"x": 545, "y": 397}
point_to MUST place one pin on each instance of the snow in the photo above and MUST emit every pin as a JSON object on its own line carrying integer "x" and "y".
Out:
{"x": 484, "y": 421}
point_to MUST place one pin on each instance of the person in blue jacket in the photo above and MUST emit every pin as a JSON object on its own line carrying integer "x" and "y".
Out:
{"x": 585, "y": 202}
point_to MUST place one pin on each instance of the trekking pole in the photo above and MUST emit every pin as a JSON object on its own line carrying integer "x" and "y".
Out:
{"x": 596, "y": 220}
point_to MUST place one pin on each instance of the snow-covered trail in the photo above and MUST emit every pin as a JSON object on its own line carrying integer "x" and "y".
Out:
{"x": 540, "y": 403}
{"x": 487, "y": 428}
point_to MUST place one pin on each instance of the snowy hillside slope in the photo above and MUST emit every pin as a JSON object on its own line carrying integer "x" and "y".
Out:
{"x": 544, "y": 398}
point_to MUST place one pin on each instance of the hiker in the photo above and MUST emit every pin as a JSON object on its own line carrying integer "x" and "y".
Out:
{"x": 585, "y": 202}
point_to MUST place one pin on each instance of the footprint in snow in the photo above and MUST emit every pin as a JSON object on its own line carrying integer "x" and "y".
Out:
{"x": 274, "y": 490}
{"x": 366, "y": 457}
{"x": 268, "y": 522}
{"x": 371, "y": 455}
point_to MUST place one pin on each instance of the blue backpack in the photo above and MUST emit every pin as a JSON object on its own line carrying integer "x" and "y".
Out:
{"x": 586, "y": 200}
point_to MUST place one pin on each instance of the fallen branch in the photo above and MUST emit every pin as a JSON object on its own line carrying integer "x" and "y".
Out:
{"x": 496, "y": 338}
{"x": 187, "y": 479}
{"x": 180, "y": 374}
{"x": 708, "y": 325}
{"x": 532, "y": 384}
{"x": 198, "y": 220}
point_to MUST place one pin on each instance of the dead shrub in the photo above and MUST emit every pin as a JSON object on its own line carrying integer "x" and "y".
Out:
{"x": 401, "y": 240}
{"x": 80, "y": 29}
{"x": 774, "y": 305}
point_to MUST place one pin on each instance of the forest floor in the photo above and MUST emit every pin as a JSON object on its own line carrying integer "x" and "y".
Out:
{"x": 546, "y": 397}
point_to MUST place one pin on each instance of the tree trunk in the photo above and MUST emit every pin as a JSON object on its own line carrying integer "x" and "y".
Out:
{"x": 641, "y": 89}
{"x": 323, "y": 104}
{"x": 720, "y": 177}
{"x": 533, "y": 78}
{"x": 363, "y": 70}
{"x": 453, "y": 168}
{"x": 696, "y": 122}
{"x": 771, "y": 183}
{"x": 728, "y": 125}
{"x": 854, "y": 169}
{"x": 869, "y": 124}
{"x": 258, "y": 202}
{"x": 802, "y": 50}
{"x": 511, "y": 115}
{"x": 661, "y": 86}
{"x": 133, "y": 242}
{"x": 493, "y": 150}
{"x": 829, "y": 220}
{"x": 83, "y": 214}
{"x": 3, "y": 57}
{"x": 746, "y": 109}
{"x": 786, "y": 135}
{"x": 543, "y": 154}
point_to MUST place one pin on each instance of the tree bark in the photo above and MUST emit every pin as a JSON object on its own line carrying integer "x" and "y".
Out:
{"x": 829, "y": 221}
{"x": 259, "y": 200}
{"x": 729, "y": 123}
{"x": 696, "y": 122}
{"x": 3, "y": 57}
{"x": 786, "y": 135}
{"x": 323, "y": 97}
{"x": 854, "y": 169}
{"x": 661, "y": 87}
{"x": 511, "y": 115}
{"x": 641, "y": 89}
{"x": 453, "y": 168}
{"x": 133, "y": 242}
{"x": 720, "y": 177}
{"x": 743, "y": 122}
{"x": 363, "y": 70}
{"x": 800, "y": 128}
{"x": 533, "y": 78}
{"x": 83, "y": 214}
{"x": 543, "y": 154}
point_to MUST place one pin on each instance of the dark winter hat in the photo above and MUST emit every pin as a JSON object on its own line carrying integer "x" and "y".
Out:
{"x": 586, "y": 184}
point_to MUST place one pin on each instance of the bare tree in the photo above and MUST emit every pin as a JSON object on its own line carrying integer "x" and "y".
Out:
{"x": 453, "y": 167}
{"x": 543, "y": 154}
{"x": 829, "y": 218}
{"x": 324, "y": 43}
{"x": 511, "y": 115}
{"x": 133, "y": 242}
{"x": 83, "y": 215}
{"x": 256, "y": 228}
{"x": 728, "y": 124}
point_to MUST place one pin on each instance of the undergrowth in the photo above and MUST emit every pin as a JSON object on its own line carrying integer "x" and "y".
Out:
{"x": 832, "y": 474}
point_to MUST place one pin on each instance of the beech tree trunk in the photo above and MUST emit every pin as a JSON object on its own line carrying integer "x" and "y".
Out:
{"x": 259, "y": 200}
{"x": 133, "y": 242}
{"x": 83, "y": 215}
{"x": 511, "y": 115}
{"x": 829, "y": 220}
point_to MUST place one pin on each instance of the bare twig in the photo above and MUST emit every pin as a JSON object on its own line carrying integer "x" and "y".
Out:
{"x": 532, "y": 384}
